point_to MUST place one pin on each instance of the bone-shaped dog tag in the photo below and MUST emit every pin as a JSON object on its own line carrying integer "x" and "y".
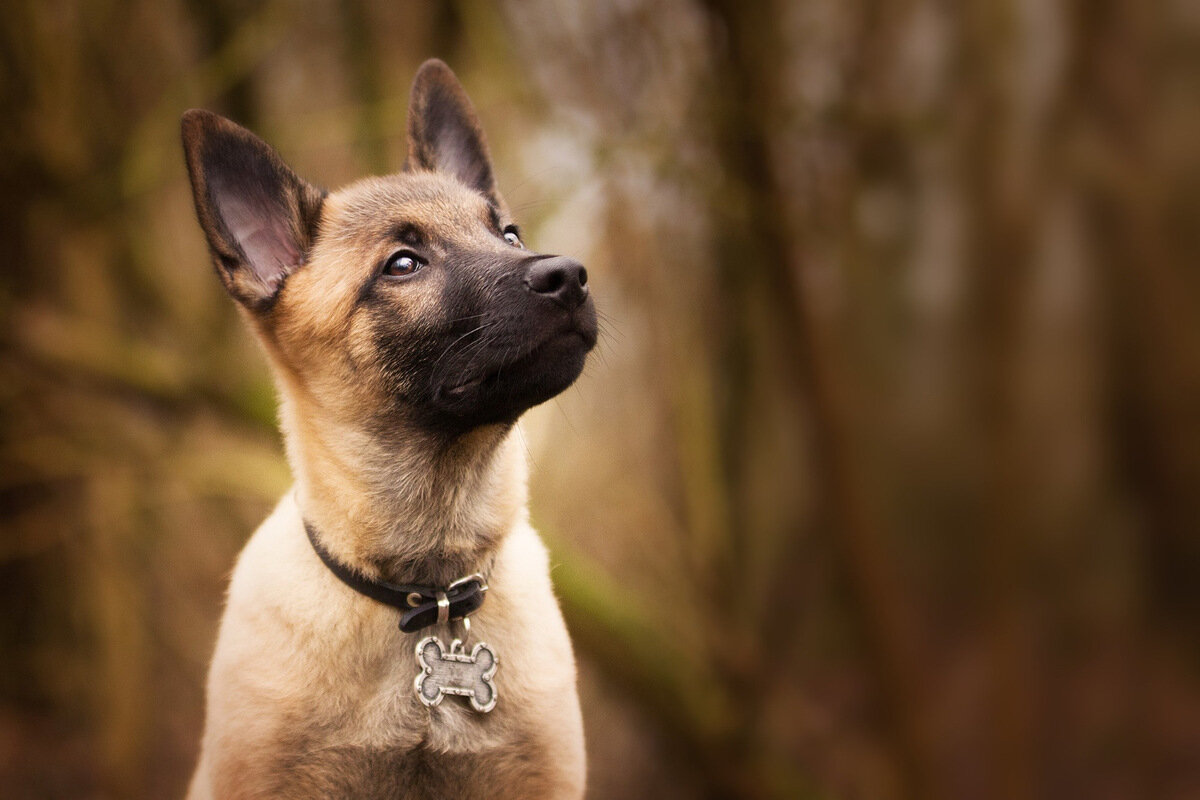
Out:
{"x": 455, "y": 672}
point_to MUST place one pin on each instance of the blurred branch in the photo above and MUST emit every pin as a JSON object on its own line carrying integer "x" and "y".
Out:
{"x": 70, "y": 347}
{"x": 618, "y": 630}
{"x": 154, "y": 143}
{"x": 625, "y": 640}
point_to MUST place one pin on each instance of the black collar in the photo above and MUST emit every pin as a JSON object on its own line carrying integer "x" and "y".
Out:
{"x": 422, "y": 605}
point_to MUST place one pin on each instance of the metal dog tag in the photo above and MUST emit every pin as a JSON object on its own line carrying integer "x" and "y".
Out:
{"x": 455, "y": 672}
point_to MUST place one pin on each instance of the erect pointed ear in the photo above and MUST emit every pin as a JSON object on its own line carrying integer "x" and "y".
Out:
{"x": 444, "y": 134}
{"x": 259, "y": 217}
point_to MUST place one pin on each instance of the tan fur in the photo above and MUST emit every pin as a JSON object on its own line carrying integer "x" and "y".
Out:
{"x": 310, "y": 692}
{"x": 309, "y": 676}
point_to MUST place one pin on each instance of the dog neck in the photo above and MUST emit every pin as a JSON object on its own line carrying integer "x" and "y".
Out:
{"x": 405, "y": 508}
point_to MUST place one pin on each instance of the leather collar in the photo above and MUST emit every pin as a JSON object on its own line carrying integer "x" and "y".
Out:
{"x": 422, "y": 606}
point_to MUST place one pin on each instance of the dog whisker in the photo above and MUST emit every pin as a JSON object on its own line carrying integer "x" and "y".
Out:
{"x": 450, "y": 346}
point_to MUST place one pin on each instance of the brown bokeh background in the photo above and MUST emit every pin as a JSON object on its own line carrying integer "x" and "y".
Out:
{"x": 883, "y": 483}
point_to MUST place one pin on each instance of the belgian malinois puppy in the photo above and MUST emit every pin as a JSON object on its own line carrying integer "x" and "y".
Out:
{"x": 407, "y": 328}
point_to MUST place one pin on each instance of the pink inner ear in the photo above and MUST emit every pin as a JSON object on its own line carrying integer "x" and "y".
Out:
{"x": 261, "y": 231}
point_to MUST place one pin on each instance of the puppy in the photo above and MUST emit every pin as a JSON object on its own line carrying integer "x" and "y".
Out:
{"x": 391, "y": 631}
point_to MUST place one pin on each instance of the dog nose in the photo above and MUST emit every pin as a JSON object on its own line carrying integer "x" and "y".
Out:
{"x": 559, "y": 278}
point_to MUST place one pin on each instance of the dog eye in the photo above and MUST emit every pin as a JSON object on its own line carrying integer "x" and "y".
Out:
{"x": 512, "y": 237}
{"x": 402, "y": 263}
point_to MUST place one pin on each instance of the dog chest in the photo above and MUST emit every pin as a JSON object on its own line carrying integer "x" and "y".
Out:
{"x": 516, "y": 770}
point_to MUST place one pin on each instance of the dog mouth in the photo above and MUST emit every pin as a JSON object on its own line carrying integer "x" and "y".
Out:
{"x": 551, "y": 349}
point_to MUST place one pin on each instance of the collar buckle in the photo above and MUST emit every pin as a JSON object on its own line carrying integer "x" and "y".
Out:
{"x": 422, "y": 606}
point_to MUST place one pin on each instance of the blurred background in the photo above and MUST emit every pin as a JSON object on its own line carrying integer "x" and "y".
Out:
{"x": 883, "y": 483}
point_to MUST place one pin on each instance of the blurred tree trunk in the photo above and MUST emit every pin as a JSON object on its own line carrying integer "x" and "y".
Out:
{"x": 759, "y": 247}
{"x": 218, "y": 22}
{"x": 1138, "y": 210}
{"x": 1004, "y": 172}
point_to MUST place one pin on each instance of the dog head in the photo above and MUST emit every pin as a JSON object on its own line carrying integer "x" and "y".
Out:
{"x": 398, "y": 301}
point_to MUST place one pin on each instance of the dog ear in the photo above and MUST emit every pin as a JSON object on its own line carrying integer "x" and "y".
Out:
{"x": 259, "y": 216}
{"x": 444, "y": 134}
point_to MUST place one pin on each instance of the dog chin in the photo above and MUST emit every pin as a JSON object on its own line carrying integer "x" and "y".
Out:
{"x": 500, "y": 394}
